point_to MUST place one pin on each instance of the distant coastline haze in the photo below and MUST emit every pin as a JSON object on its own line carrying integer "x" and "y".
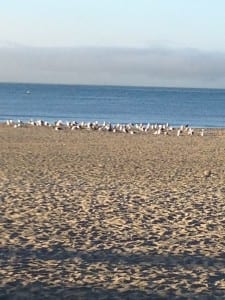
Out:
{"x": 146, "y": 43}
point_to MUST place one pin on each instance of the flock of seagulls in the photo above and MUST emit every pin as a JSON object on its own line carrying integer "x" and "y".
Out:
{"x": 132, "y": 128}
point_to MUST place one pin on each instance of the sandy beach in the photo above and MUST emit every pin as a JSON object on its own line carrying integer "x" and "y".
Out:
{"x": 97, "y": 215}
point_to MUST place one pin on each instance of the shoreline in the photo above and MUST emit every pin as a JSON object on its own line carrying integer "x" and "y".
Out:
{"x": 92, "y": 214}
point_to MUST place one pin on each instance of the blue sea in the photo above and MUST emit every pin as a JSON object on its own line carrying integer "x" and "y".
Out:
{"x": 115, "y": 104}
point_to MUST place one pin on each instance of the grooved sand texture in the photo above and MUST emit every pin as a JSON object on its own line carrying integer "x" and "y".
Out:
{"x": 93, "y": 215}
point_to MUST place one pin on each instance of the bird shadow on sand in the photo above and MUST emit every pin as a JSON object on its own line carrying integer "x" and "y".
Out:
{"x": 18, "y": 260}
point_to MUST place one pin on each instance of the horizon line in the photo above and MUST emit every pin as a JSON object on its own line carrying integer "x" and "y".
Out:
{"x": 111, "y": 85}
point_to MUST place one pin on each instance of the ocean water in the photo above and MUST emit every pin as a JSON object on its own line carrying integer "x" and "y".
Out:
{"x": 115, "y": 104}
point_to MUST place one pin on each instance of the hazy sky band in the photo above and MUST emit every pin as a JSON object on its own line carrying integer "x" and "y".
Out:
{"x": 126, "y": 66}
{"x": 141, "y": 42}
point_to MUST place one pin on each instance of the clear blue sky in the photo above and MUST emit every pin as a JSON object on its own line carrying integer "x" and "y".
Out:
{"x": 140, "y": 23}
{"x": 125, "y": 42}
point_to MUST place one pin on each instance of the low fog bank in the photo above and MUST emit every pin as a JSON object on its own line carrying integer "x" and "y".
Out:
{"x": 116, "y": 66}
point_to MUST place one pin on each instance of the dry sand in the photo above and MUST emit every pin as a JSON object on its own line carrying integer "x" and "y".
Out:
{"x": 93, "y": 215}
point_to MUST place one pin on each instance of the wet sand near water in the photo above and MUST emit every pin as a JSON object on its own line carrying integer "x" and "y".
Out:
{"x": 97, "y": 215}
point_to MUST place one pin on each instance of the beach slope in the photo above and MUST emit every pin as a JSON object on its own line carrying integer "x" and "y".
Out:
{"x": 97, "y": 215}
